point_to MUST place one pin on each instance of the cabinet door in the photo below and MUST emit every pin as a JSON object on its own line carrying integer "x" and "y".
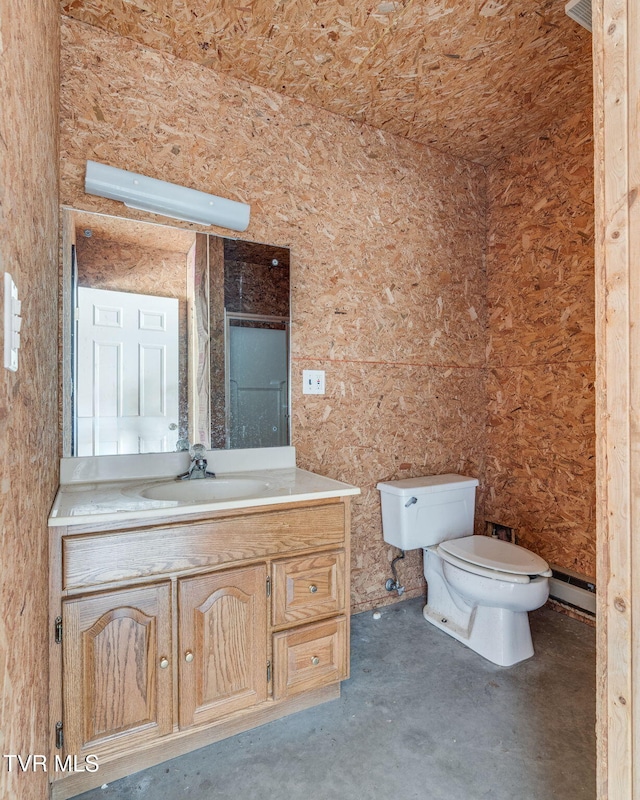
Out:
{"x": 117, "y": 690}
{"x": 223, "y": 643}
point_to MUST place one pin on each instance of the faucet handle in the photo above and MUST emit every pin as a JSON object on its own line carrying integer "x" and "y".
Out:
{"x": 182, "y": 445}
{"x": 197, "y": 451}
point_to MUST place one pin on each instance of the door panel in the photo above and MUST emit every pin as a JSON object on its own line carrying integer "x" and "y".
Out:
{"x": 223, "y": 643}
{"x": 127, "y": 373}
{"x": 115, "y": 692}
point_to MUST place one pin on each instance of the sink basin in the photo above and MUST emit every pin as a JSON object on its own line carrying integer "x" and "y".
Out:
{"x": 208, "y": 490}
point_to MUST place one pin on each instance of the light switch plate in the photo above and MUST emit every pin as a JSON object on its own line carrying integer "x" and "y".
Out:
{"x": 12, "y": 323}
{"x": 312, "y": 381}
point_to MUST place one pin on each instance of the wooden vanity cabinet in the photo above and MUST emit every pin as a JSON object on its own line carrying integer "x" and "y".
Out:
{"x": 167, "y": 637}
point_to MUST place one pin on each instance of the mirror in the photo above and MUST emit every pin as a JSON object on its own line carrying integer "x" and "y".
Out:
{"x": 169, "y": 336}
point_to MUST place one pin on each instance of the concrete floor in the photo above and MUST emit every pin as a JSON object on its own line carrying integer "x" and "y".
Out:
{"x": 422, "y": 718}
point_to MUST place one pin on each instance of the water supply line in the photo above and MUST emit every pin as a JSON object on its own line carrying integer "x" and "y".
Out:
{"x": 393, "y": 584}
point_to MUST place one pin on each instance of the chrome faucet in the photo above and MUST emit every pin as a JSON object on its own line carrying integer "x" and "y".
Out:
{"x": 198, "y": 466}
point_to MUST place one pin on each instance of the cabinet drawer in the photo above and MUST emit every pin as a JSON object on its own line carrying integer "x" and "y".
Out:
{"x": 309, "y": 657}
{"x": 308, "y": 587}
{"x": 92, "y": 559}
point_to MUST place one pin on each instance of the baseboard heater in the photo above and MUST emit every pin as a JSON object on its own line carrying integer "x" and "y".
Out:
{"x": 572, "y": 589}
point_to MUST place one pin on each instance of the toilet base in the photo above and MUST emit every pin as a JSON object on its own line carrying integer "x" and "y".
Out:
{"x": 501, "y": 636}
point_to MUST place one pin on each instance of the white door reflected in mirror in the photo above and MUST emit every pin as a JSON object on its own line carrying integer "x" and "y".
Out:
{"x": 126, "y": 373}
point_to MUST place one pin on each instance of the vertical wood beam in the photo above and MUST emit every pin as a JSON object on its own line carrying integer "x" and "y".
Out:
{"x": 633, "y": 203}
{"x": 616, "y": 27}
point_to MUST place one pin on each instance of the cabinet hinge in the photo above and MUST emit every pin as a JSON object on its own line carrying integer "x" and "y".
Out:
{"x": 59, "y": 736}
{"x": 58, "y": 624}
{"x": 268, "y": 587}
{"x": 268, "y": 672}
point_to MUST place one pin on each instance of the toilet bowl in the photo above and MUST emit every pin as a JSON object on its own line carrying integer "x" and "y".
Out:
{"x": 479, "y": 589}
{"x": 486, "y": 608}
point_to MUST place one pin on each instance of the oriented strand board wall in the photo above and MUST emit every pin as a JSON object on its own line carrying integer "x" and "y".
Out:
{"x": 105, "y": 264}
{"x": 540, "y": 380}
{"x": 28, "y": 398}
{"x": 387, "y": 240}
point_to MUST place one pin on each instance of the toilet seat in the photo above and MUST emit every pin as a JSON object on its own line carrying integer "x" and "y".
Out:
{"x": 493, "y": 558}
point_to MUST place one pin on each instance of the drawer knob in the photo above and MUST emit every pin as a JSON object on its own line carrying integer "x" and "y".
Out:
{"x": 313, "y": 588}
{"x": 164, "y": 662}
{"x": 315, "y": 661}
{"x": 188, "y": 656}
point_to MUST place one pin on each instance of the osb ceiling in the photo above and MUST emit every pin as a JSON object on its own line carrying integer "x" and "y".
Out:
{"x": 475, "y": 78}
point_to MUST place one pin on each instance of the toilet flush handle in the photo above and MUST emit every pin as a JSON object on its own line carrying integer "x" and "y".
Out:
{"x": 410, "y": 502}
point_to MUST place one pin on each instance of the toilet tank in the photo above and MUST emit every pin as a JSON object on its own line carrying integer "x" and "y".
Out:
{"x": 420, "y": 512}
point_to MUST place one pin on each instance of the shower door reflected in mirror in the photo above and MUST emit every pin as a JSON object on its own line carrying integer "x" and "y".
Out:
{"x": 257, "y": 385}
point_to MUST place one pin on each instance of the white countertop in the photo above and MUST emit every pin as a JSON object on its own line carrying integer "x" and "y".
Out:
{"x": 106, "y": 501}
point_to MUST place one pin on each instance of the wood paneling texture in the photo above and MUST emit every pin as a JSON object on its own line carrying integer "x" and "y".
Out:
{"x": 617, "y": 129}
{"x": 125, "y": 267}
{"x": 29, "y": 63}
{"x": 387, "y": 241}
{"x": 540, "y": 383}
{"x": 475, "y": 79}
{"x": 156, "y": 235}
{"x": 383, "y": 422}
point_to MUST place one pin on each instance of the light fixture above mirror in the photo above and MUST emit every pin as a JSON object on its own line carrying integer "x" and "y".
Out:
{"x": 167, "y": 199}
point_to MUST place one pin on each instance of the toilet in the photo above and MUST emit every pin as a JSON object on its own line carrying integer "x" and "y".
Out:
{"x": 479, "y": 589}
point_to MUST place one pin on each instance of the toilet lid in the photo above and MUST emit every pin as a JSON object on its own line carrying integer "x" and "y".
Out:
{"x": 484, "y": 551}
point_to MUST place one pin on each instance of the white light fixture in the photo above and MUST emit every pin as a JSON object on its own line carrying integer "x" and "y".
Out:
{"x": 167, "y": 199}
{"x": 580, "y": 11}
